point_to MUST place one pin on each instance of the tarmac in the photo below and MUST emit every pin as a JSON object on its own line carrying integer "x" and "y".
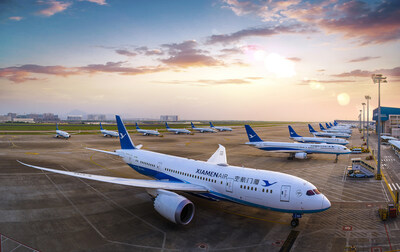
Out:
{"x": 52, "y": 212}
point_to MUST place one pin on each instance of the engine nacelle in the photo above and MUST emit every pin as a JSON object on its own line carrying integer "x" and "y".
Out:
{"x": 300, "y": 155}
{"x": 174, "y": 207}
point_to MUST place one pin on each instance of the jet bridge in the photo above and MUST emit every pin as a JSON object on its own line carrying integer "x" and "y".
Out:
{"x": 360, "y": 169}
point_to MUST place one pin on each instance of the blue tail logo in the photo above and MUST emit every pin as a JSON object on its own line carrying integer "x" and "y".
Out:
{"x": 311, "y": 129}
{"x": 101, "y": 127}
{"x": 124, "y": 139}
{"x": 192, "y": 125}
{"x": 327, "y": 126}
{"x": 321, "y": 127}
{"x": 211, "y": 125}
{"x": 253, "y": 137}
{"x": 292, "y": 132}
{"x": 268, "y": 184}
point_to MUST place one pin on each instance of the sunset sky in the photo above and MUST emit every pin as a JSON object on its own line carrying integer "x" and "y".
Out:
{"x": 219, "y": 60}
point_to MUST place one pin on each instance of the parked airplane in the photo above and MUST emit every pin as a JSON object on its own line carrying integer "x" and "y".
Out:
{"x": 147, "y": 132}
{"x": 349, "y": 125}
{"x": 108, "y": 132}
{"x": 60, "y": 133}
{"x": 327, "y": 140}
{"x": 213, "y": 179}
{"x": 177, "y": 131}
{"x": 219, "y": 128}
{"x": 296, "y": 150}
{"x": 202, "y": 130}
{"x": 326, "y": 134}
{"x": 341, "y": 130}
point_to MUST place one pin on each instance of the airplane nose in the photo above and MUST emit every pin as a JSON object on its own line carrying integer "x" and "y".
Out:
{"x": 325, "y": 203}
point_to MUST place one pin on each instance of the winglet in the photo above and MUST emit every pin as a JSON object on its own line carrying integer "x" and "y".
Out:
{"x": 219, "y": 157}
{"x": 253, "y": 137}
{"x": 311, "y": 129}
{"x": 124, "y": 138}
{"x": 292, "y": 132}
{"x": 321, "y": 127}
{"x": 101, "y": 127}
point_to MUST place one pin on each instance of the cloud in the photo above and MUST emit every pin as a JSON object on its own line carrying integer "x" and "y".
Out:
{"x": 149, "y": 52}
{"x": 24, "y": 73}
{"x": 365, "y": 73}
{"x": 54, "y": 7}
{"x": 186, "y": 55}
{"x": 259, "y": 32}
{"x": 364, "y": 22}
{"x": 210, "y": 82}
{"x": 363, "y": 59}
{"x": 308, "y": 82}
{"x": 100, "y": 2}
{"x": 295, "y": 59}
{"x": 125, "y": 52}
{"x": 16, "y": 18}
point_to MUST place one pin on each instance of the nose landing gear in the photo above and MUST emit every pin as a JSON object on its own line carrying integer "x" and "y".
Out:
{"x": 295, "y": 220}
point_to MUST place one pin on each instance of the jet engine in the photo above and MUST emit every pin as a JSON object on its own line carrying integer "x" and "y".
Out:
{"x": 174, "y": 207}
{"x": 300, "y": 155}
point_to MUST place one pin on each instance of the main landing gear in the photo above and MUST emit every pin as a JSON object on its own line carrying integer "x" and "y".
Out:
{"x": 295, "y": 220}
{"x": 337, "y": 156}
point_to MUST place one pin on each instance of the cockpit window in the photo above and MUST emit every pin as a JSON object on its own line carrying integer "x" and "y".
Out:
{"x": 310, "y": 193}
{"x": 316, "y": 191}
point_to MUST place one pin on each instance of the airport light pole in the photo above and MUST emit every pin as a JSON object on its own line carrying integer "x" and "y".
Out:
{"x": 377, "y": 78}
{"x": 367, "y": 97}
{"x": 363, "y": 120}
{"x": 360, "y": 119}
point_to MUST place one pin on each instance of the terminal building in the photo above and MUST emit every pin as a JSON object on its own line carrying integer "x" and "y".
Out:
{"x": 390, "y": 120}
{"x": 169, "y": 118}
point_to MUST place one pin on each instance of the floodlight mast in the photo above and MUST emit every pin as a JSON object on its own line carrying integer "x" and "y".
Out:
{"x": 363, "y": 118}
{"x": 367, "y": 97}
{"x": 377, "y": 78}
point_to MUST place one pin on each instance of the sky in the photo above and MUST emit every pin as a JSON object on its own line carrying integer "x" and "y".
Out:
{"x": 266, "y": 60}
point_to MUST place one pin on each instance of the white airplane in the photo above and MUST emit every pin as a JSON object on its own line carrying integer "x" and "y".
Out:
{"x": 220, "y": 128}
{"x": 339, "y": 130}
{"x": 326, "y": 134}
{"x": 108, "y": 132}
{"x": 202, "y": 130}
{"x": 296, "y": 150}
{"x": 348, "y": 125}
{"x": 177, "y": 131}
{"x": 147, "y": 132}
{"x": 60, "y": 133}
{"x": 213, "y": 179}
{"x": 327, "y": 140}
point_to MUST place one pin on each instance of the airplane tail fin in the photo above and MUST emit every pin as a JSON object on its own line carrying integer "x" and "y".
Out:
{"x": 101, "y": 127}
{"x": 137, "y": 127}
{"x": 311, "y": 129}
{"x": 335, "y": 123}
{"x": 321, "y": 127}
{"x": 292, "y": 132}
{"x": 166, "y": 125}
{"x": 124, "y": 138}
{"x": 331, "y": 124}
{"x": 192, "y": 125}
{"x": 211, "y": 125}
{"x": 327, "y": 126}
{"x": 253, "y": 137}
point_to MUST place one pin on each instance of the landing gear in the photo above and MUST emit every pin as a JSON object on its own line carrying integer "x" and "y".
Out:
{"x": 295, "y": 220}
{"x": 336, "y": 159}
{"x": 291, "y": 157}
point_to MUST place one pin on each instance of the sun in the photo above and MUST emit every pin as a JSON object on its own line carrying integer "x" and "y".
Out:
{"x": 279, "y": 65}
{"x": 343, "y": 99}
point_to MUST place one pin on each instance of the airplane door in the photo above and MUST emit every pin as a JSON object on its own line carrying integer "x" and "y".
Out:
{"x": 285, "y": 193}
{"x": 159, "y": 166}
{"x": 229, "y": 185}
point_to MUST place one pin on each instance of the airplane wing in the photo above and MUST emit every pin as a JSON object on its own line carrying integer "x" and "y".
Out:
{"x": 143, "y": 183}
{"x": 103, "y": 151}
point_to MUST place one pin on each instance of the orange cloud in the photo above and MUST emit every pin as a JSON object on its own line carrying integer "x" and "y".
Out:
{"x": 54, "y": 7}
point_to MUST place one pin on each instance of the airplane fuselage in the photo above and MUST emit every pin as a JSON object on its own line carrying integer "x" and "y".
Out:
{"x": 301, "y": 147}
{"x": 109, "y": 133}
{"x": 179, "y": 131}
{"x": 60, "y": 133}
{"x": 259, "y": 188}
{"x": 327, "y": 140}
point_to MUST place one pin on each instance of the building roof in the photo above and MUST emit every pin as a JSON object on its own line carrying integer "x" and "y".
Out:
{"x": 385, "y": 112}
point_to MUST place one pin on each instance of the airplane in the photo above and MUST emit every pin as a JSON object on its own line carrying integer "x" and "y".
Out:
{"x": 202, "y": 130}
{"x": 213, "y": 179}
{"x": 327, "y": 140}
{"x": 344, "y": 124}
{"x": 60, "y": 133}
{"x": 147, "y": 132}
{"x": 347, "y": 131}
{"x": 108, "y": 132}
{"x": 177, "y": 131}
{"x": 220, "y": 128}
{"x": 326, "y": 134}
{"x": 296, "y": 150}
